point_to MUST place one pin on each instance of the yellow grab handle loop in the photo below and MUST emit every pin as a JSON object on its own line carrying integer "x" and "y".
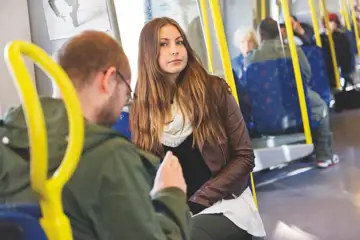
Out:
{"x": 54, "y": 221}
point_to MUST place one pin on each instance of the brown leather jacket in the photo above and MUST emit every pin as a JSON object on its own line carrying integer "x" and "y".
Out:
{"x": 230, "y": 162}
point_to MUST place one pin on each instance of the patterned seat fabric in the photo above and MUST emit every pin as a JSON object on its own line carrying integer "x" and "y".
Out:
{"x": 319, "y": 81}
{"x": 239, "y": 73}
{"x": 351, "y": 36}
{"x": 273, "y": 97}
{"x": 122, "y": 125}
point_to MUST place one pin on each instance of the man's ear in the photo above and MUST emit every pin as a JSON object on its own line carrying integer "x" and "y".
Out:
{"x": 107, "y": 80}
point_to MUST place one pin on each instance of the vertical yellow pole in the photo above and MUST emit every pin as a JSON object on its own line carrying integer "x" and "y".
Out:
{"x": 296, "y": 66}
{"x": 224, "y": 52}
{"x": 263, "y": 9}
{"x": 356, "y": 30}
{"x": 331, "y": 42}
{"x": 203, "y": 12}
{"x": 344, "y": 10}
{"x": 315, "y": 23}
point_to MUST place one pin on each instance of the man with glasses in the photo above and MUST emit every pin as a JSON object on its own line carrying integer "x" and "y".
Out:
{"x": 116, "y": 192}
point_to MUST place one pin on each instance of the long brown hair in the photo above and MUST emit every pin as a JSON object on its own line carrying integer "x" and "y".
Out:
{"x": 196, "y": 93}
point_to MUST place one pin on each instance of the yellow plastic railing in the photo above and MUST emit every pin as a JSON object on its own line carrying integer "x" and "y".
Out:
{"x": 356, "y": 30}
{"x": 54, "y": 222}
{"x": 296, "y": 66}
{"x": 315, "y": 23}
{"x": 205, "y": 17}
{"x": 331, "y": 42}
{"x": 225, "y": 58}
{"x": 345, "y": 13}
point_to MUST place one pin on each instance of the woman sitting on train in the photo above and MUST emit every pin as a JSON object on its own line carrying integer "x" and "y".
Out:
{"x": 271, "y": 47}
{"x": 183, "y": 109}
{"x": 245, "y": 40}
{"x": 343, "y": 50}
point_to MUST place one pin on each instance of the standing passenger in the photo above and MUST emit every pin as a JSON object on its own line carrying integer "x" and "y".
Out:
{"x": 180, "y": 107}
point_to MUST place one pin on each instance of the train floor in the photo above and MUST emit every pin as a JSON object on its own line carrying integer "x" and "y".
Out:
{"x": 302, "y": 202}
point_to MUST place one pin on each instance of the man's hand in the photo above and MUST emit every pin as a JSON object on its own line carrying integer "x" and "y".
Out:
{"x": 169, "y": 175}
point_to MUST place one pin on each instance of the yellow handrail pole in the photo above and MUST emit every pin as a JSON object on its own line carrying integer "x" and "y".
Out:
{"x": 331, "y": 43}
{"x": 356, "y": 29}
{"x": 54, "y": 222}
{"x": 315, "y": 23}
{"x": 296, "y": 66}
{"x": 263, "y": 9}
{"x": 205, "y": 17}
{"x": 225, "y": 58}
{"x": 344, "y": 10}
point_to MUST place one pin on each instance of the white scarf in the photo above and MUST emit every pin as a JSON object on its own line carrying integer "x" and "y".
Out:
{"x": 177, "y": 130}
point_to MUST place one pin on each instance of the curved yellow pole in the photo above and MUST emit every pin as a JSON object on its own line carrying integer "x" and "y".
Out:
{"x": 203, "y": 11}
{"x": 34, "y": 116}
{"x": 345, "y": 13}
{"x": 356, "y": 30}
{"x": 263, "y": 9}
{"x": 296, "y": 66}
{"x": 331, "y": 42}
{"x": 54, "y": 222}
{"x": 225, "y": 58}
{"x": 315, "y": 23}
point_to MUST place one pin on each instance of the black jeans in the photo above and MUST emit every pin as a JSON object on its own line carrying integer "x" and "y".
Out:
{"x": 216, "y": 227}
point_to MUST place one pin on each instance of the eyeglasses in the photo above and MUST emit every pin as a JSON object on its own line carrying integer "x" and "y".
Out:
{"x": 132, "y": 96}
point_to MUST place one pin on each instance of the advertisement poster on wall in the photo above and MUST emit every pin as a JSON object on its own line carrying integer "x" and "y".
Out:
{"x": 66, "y": 18}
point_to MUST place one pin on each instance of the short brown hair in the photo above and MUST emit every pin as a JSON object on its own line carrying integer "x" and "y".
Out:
{"x": 89, "y": 53}
{"x": 268, "y": 29}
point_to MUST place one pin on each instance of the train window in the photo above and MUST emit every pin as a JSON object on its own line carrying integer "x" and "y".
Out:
{"x": 130, "y": 12}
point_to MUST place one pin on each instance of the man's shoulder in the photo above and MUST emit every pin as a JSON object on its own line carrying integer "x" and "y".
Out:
{"x": 121, "y": 150}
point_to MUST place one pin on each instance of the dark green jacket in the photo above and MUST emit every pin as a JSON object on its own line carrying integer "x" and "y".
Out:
{"x": 108, "y": 195}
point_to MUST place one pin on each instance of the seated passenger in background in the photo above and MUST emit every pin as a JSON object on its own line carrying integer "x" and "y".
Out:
{"x": 271, "y": 48}
{"x": 303, "y": 31}
{"x": 343, "y": 50}
{"x": 108, "y": 195}
{"x": 181, "y": 108}
{"x": 245, "y": 40}
{"x": 297, "y": 40}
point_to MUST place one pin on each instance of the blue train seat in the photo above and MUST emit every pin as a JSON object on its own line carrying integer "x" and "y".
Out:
{"x": 273, "y": 97}
{"x": 240, "y": 83}
{"x": 319, "y": 81}
{"x": 21, "y": 222}
{"x": 351, "y": 37}
{"x": 122, "y": 125}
